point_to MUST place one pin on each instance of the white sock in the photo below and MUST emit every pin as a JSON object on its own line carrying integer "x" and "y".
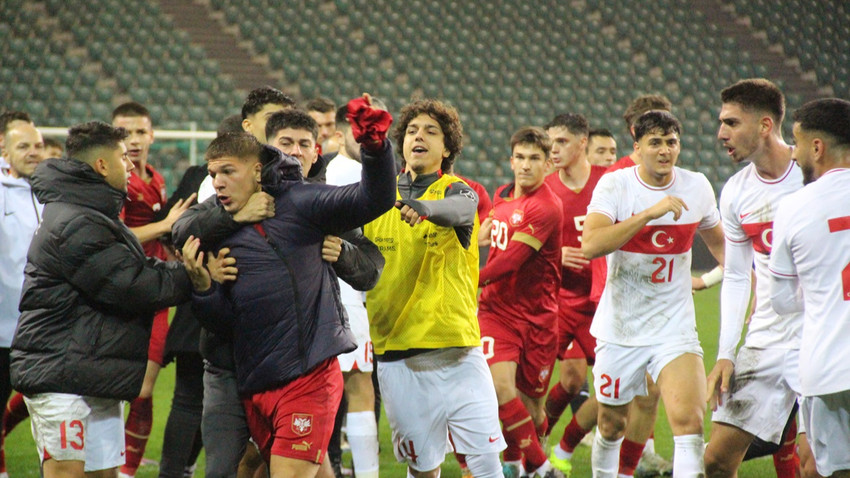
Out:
{"x": 363, "y": 439}
{"x": 650, "y": 446}
{"x": 562, "y": 454}
{"x": 544, "y": 468}
{"x": 605, "y": 458}
{"x": 688, "y": 456}
{"x": 484, "y": 466}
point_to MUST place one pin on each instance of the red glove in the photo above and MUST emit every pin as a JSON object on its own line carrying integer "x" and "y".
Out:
{"x": 369, "y": 125}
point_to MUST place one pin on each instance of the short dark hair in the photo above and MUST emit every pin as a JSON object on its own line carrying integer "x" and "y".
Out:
{"x": 756, "y": 94}
{"x": 534, "y": 136}
{"x": 320, "y": 104}
{"x": 574, "y": 122}
{"x": 657, "y": 121}
{"x": 8, "y": 117}
{"x": 828, "y": 115}
{"x": 448, "y": 119}
{"x": 132, "y": 109}
{"x": 85, "y": 137}
{"x": 50, "y": 142}
{"x": 642, "y": 104}
{"x": 265, "y": 95}
{"x": 342, "y": 117}
{"x": 230, "y": 124}
{"x": 241, "y": 145}
{"x": 295, "y": 119}
{"x": 600, "y": 132}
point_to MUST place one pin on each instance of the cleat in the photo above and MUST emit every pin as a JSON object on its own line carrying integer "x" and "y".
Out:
{"x": 511, "y": 471}
{"x": 553, "y": 473}
{"x": 653, "y": 464}
{"x": 563, "y": 465}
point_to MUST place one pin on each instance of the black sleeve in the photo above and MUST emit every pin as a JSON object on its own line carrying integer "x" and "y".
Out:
{"x": 207, "y": 221}
{"x": 108, "y": 272}
{"x": 360, "y": 263}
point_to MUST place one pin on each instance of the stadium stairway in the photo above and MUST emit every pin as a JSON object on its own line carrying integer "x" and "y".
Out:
{"x": 222, "y": 43}
{"x": 779, "y": 67}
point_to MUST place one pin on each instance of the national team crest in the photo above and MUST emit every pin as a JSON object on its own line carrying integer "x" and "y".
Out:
{"x": 544, "y": 375}
{"x": 302, "y": 424}
{"x": 516, "y": 217}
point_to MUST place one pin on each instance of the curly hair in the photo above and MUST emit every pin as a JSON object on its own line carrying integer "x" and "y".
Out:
{"x": 446, "y": 115}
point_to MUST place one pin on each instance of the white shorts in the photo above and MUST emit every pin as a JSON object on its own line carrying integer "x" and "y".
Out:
{"x": 619, "y": 374}
{"x": 361, "y": 358}
{"x": 761, "y": 392}
{"x": 71, "y": 427}
{"x": 431, "y": 394}
{"x": 827, "y": 422}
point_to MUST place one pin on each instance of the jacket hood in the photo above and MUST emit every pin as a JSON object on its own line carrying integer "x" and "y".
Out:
{"x": 278, "y": 168}
{"x": 318, "y": 171}
{"x": 71, "y": 181}
{"x": 10, "y": 182}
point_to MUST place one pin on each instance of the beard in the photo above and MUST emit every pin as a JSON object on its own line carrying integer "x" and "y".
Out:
{"x": 808, "y": 174}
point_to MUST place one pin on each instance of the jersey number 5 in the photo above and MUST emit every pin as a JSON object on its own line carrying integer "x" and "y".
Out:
{"x": 839, "y": 224}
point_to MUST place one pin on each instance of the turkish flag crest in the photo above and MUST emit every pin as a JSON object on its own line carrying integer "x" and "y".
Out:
{"x": 302, "y": 424}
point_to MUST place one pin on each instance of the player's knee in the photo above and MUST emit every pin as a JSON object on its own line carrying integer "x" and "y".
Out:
{"x": 572, "y": 380}
{"x": 505, "y": 390}
{"x": 411, "y": 473}
{"x": 484, "y": 466}
{"x": 611, "y": 423}
{"x": 646, "y": 404}
{"x": 686, "y": 422}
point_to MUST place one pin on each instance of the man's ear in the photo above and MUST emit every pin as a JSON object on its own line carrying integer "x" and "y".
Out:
{"x": 258, "y": 172}
{"x": 101, "y": 167}
{"x": 766, "y": 123}
{"x": 246, "y": 125}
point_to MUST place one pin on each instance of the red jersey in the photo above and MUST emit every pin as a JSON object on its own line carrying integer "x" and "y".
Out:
{"x": 529, "y": 293}
{"x": 575, "y": 284}
{"x": 143, "y": 201}
{"x": 484, "y": 203}
{"x": 599, "y": 265}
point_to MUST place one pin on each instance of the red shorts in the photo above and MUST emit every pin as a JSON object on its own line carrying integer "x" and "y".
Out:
{"x": 296, "y": 420}
{"x": 574, "y": 339}
{"x": 533, "y": 348}
{"x": 156, "y": 347}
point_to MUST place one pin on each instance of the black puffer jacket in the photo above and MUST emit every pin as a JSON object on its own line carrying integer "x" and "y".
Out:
{"x": 285, "y": 314}
{"x": 89, "y": 291}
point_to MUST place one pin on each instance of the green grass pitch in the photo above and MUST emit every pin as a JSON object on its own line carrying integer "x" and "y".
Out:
{"x": 22, "y": 459}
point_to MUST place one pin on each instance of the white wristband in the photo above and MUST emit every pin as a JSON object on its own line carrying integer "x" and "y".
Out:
{"x": 712, "y": 277}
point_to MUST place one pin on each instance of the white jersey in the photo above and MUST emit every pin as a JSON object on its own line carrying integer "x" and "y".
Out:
{"x": 647, "y": 298}
{"x": 343, "y": 170}
{"x": 812, "y": 243}
{"x": 747, "y": 205}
